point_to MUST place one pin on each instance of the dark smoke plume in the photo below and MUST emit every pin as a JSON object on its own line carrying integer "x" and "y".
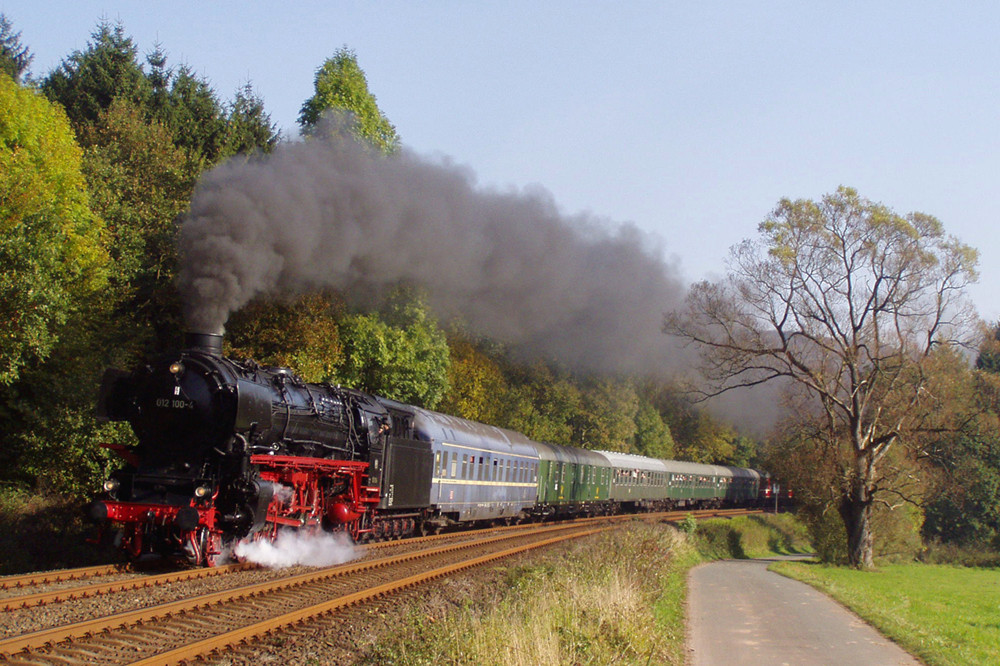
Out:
{"x": 328, "y": 213}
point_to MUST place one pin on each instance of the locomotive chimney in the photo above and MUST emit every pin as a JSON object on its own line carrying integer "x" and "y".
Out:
{"x": 208, "y": 343}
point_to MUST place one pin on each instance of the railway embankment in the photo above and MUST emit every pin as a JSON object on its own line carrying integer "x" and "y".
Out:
{"x": 617, "y": 597}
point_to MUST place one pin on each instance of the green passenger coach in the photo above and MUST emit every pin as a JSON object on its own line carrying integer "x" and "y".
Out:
{"x": 571, "y": 481}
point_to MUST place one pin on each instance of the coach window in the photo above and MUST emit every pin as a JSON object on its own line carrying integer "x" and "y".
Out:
{"x": 465, "y": 466}
{"x": 454, "y": 464}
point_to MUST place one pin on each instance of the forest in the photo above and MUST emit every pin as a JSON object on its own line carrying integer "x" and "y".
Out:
{"x": 99, "y": 161}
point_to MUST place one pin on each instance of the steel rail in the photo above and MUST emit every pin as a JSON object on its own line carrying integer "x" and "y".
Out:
{"x": 60, "y": 575}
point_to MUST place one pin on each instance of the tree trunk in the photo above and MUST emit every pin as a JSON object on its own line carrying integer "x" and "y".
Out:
{"x": 856, "y": 512}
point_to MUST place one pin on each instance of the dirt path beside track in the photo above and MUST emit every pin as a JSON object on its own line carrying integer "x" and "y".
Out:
{"x": 741, "y": 613}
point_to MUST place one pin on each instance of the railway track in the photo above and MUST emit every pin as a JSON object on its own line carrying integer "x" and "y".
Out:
{"x": 200, "y": 624}
{"x": 20, "y": 601}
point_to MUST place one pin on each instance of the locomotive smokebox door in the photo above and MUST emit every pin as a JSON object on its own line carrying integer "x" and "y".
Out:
{"x": 113, "y": 400}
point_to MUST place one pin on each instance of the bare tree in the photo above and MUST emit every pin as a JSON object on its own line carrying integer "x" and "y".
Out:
{"x": 847, "y": 300}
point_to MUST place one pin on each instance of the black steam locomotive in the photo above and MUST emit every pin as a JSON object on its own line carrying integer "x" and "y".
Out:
{"x": 231, "y": 450}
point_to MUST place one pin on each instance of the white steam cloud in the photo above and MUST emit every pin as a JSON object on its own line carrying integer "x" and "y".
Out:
{"x": 291, "y": 548}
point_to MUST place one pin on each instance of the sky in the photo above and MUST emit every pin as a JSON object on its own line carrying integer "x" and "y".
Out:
{"x": 689, "y": 119}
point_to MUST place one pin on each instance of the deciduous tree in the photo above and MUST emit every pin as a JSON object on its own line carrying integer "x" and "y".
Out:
{"x": 402, "y": 354}
{"x": 141, "y": 182}
{"x": 607, "y": 417}
{"x": 477, "y": 389}
{"x": 51, "y": 245}
{"x": 652, "y": 435}
{"x": 302, "y": 335}
{"x": 846, "y": 300}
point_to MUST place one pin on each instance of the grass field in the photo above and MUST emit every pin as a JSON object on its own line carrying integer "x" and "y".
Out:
{"x": 943, "y": 614}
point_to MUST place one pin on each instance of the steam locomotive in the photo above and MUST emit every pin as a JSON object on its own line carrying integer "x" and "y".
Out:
{"x": 230, "y": 450}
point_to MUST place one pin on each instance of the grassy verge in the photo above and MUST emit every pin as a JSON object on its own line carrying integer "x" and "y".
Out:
{"x": 943, "y": 614}
{"x": 613, "y": 599}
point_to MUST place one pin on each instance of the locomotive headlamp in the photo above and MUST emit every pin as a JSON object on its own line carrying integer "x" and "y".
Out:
{"x": 111, "y": 485}
{"x": 176, "y": 368}
{"x": 202, "y": 491}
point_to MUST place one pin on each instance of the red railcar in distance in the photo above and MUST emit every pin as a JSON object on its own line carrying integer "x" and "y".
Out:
{"x": 773, "y": 494}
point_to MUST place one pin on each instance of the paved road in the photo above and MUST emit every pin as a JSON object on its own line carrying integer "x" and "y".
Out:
{"x": 741, "y": 613}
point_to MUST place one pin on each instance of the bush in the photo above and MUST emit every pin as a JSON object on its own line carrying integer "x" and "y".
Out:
{"x": 38, "y": 533}
{"x": 937, "y": 552}
{"x": 689, "y": 524}
{"x": 751, "y": 536}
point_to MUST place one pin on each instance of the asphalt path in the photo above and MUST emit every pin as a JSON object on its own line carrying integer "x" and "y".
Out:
{"x": 741, "y": 613}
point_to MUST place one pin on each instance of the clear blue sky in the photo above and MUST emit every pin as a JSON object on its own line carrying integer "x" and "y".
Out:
{"x": 691, "y": 119}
